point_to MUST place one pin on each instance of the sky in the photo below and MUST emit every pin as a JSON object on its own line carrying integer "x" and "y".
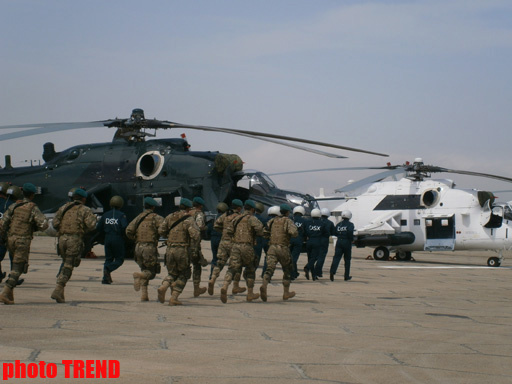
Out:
{"x": 411, "y": 79}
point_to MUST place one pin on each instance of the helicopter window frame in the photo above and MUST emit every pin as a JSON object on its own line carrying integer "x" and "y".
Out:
{"x": 507, "y": 212}
{"x": 157, "y": 168}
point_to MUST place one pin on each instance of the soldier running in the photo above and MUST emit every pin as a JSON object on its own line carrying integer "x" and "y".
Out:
{"x": 280, "y": 229}
{"x": 244, "y": 230}
{"x": 144, "y": 231}
{"x": 17, "y": 226}
{"x": 73, "y": 221}
{"x": 183, "y": 237}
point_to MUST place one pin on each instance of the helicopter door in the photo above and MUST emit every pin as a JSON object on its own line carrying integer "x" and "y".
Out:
{"x": 440, "y": 233}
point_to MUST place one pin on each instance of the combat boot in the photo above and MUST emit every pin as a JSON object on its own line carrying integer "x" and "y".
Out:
{"x": 287, "y": 294}
{"x": 162, "y": 290}
{"x": 198, "y": 290}
{"x": 144, "y": 296}
{"x": 237, "y": 288}
{"x": 202, "y": 260}
{"x": 251, "y": 295}
{"x": 211, "y": 285}
{"x": 263, "y": 290}
{"x": 107, "y": 278}
{"x": 174, "y": 298}
{"x": 7, "y": 296}
{"x": 137, "y": 280}
{"x": 58, "y": 294}
{"x": 224, "y": 292}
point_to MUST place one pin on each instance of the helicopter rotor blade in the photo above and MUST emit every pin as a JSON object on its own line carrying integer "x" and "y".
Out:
{"x": 270, "y": 135}
{"x": 318, "y": 152}
{"x": 471, "y": 173}
{"x": 370, "y": 179}
{"x": 322, "y": 170}
{"x": 38, "y": 129}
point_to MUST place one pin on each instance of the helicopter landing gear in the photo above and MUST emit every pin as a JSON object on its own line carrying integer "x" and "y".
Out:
{"x": 493, "y": 262}
{"x": 403, "y": 255}
{"x": 381, "y": 253}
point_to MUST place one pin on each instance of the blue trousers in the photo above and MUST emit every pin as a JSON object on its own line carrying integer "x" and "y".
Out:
{"x": 114, "y": 252}
{"x": 343, "y": 250}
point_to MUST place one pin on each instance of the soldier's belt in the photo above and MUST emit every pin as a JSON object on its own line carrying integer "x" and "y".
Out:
{"x": 182, "y": 245}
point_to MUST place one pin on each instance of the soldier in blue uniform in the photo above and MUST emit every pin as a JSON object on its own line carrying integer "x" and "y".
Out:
{"x": 315, "y": 229}
{"x": 345, "y": 235}
{"x": 325, "y": 241}
{"x": 113, "y": 223}
{"x": 296, "y": 242}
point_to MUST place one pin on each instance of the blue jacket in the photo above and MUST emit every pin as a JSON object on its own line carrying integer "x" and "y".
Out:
{"x": 113, "y": 223}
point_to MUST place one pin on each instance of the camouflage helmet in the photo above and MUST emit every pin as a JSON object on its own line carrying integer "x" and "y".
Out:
{"x": 15, "y": 192}
{"x": 4, "y": 187}
{"x": 222, "y": 207}
{"x": 259, "y": 207}
{"x": 116, "y": 202}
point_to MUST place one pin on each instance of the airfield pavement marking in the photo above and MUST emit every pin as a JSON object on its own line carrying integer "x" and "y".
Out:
{"x": 441, "y": 267}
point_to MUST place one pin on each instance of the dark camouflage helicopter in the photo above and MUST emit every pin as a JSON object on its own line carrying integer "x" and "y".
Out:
{"x": 165, "y": 169}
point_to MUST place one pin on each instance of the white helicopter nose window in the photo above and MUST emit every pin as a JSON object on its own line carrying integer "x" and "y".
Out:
{"x": 149, "y": 165}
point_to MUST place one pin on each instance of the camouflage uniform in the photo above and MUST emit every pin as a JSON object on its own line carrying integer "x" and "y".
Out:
{"x": 182, "y": 240}
{"x": 19, "y": 223}
{"x": 144, "y": 231}
{"x": 221, "y": 225}
{"x": 196, "y": 257}
{"x": 244, "y": 230}
{"x": 72, "y": 221}
{"x": 280, "y": 229}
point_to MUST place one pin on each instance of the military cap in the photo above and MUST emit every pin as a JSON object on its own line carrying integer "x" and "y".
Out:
{"x": 250, "y": 203}
{"x": 285, "y": 207}
{"x": 150, "y": 201}
{"x": 186, "y": 202}
{"x": 29, "y": 187}
{"x": 259, "y": 207}
{"x": 4, "y": 187}
{"x": 198, "y": 200}
{"x": 237, "y": 203}
{"x": 80, "y": 192}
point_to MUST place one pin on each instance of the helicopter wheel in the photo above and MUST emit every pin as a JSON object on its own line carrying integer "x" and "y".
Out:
{"x": 493, "y": 262}
{"x": 381, "y": 253}
{"x": 403, "y": 255}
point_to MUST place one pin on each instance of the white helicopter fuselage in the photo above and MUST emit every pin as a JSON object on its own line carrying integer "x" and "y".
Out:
{"x": 428, "y": 215}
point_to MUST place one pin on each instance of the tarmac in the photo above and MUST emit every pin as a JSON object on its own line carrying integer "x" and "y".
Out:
{"x": 444, "y": 318}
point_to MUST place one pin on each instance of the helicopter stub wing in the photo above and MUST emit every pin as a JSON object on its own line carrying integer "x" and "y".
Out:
{"x": 383, "y": 225}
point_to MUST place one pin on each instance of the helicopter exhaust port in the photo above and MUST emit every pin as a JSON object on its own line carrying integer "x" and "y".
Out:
{"x": 149, "y": 165}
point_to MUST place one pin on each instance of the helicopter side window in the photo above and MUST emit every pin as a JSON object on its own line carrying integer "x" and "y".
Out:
{"x": 507, "y": 213}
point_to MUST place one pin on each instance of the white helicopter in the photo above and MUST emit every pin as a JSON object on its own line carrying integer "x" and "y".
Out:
{"x": 416, "y": 213}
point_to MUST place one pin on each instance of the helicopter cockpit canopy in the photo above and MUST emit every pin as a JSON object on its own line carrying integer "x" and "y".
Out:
{"x": 256, "y": 182}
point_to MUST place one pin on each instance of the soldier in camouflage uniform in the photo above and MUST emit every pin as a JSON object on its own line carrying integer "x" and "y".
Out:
{"x": 72, "y": 221}
{"x": 144, "y": 231}
{"x": 221, "y": 225}
{"x": 244, "y": 230}
{"x": 183, "y": 237}
{"x": 197, "y": 258}
{"x": 18, "y": 224}
{"x": 279, "y": 229}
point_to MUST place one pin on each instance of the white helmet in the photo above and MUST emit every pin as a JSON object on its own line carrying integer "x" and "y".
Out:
{"x": 325, "y": 212}
{"x": 346, "y": 214}
{"x": 299, "y": 209}
{"x": 316, "y": 213}
{"x": 274, "y": 210}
